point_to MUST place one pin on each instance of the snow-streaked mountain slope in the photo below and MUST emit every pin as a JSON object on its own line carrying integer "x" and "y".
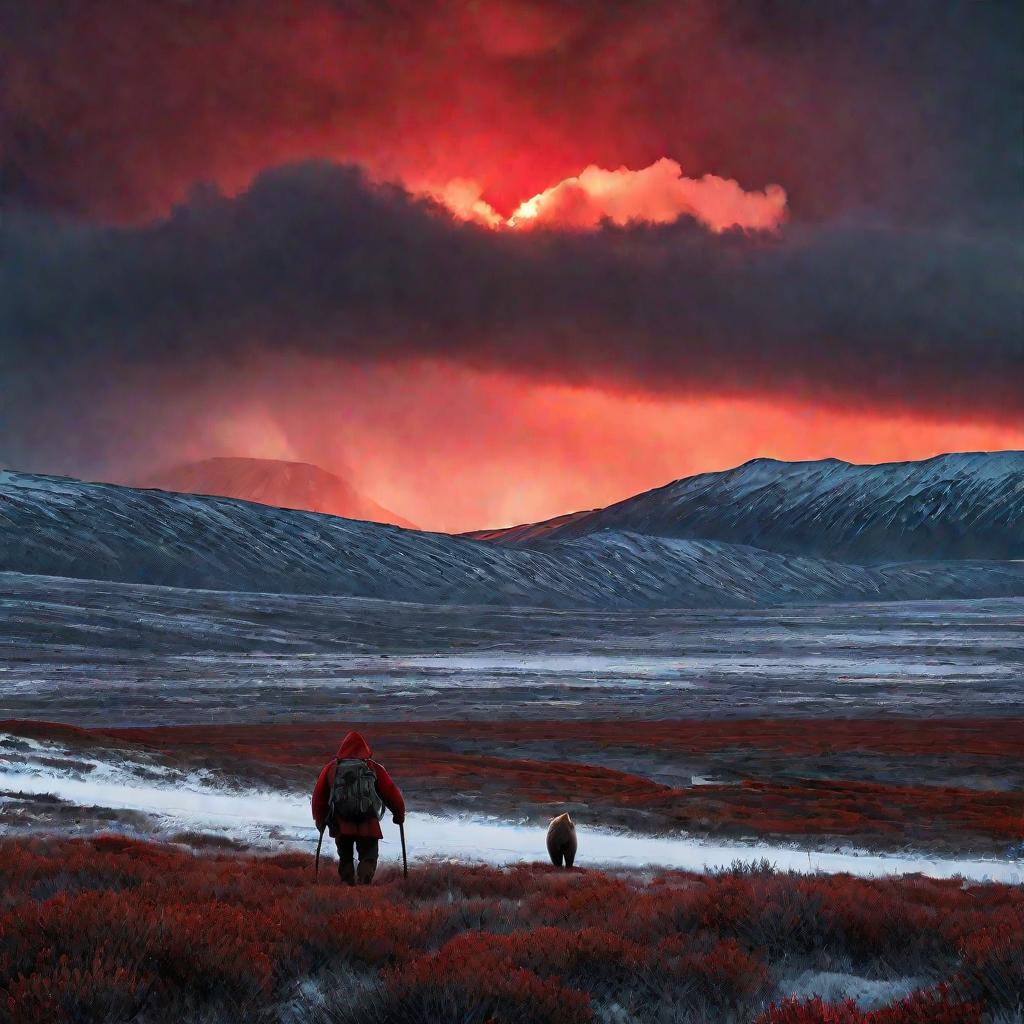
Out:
{"x": 968, "y": 505}
{"x": 60, "y": 527}
{"x": 275, "y": 482}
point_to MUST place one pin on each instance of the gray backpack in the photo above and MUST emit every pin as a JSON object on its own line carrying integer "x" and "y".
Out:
{"x": 354, "y": 797}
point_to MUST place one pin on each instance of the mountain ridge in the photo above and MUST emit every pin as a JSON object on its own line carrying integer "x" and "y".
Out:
{"x": 276, "y": 482}
{"x": 949, "y": 507}
{"x": 53, "y": 526}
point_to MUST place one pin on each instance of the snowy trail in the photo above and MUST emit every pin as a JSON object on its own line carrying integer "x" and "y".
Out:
{"x": 272, "y": 819}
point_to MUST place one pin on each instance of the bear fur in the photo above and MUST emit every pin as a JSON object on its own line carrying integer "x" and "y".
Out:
{"x": 562, "y": 841}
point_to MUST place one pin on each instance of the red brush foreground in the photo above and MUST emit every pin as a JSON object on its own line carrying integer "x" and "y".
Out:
{"x": 114, "y": 930}
{"x": 996, "y": 737}
{"x": 786, "y": 778}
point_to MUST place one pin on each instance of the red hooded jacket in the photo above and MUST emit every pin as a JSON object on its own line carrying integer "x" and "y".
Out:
{"x": 353, "y": 745}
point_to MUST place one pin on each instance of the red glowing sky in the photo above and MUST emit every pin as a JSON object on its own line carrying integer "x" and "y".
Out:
{"x": 501, "y": 450}
{"x": 519, "y": 116}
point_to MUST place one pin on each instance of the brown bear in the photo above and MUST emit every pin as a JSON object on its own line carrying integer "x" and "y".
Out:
{"x": 562, "y": 841}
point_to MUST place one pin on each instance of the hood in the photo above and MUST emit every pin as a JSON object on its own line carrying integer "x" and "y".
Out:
{"x": 353, "y": 745}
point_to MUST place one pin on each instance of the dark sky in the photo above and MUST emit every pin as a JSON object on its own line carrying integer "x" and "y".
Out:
{"x": 194, "y": 226}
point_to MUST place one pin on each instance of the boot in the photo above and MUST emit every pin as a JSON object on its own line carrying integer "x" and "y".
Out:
{"x": 347, "y": 872}
{"x": 366, "y": 871}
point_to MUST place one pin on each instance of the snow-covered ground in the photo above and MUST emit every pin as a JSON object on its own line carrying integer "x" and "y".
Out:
{"x": 117, "y": 654}
{"x": 193, "y": 802}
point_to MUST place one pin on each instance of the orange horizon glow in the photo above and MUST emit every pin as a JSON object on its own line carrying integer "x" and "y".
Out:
{"x": 501, "y": 450}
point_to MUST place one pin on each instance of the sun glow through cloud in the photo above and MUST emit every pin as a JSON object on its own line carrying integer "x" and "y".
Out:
{"x": 658, "y": 194}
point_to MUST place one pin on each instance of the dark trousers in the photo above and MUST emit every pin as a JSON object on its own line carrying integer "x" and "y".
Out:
{"x": 367, "y": 850}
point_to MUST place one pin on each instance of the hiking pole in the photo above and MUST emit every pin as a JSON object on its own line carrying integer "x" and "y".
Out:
{"x": 405, "y": 860}
{"x": 319, "y": 843}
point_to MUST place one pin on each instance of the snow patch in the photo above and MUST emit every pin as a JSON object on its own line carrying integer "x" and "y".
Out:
{"x": 271, "y": 819}
{"x": 833, "y": 987}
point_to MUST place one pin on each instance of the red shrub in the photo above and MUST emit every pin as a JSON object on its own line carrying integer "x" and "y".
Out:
{"x": 580, "y": 900}
{"x": 377, "y": 935}
{"x": 725, "y": 973}
{"x": 472, "y": 977}
{"x": 105, "y": 928}
{"x": 872, "y": 924}
{"x": 992, "y": 966}
{"x": 204, "y": 946}
{"x": 102, "y": 990}
{"x": 580, "y": 957}
{"x": 811, "y": 1011}
{"x": 930, "y": 1007}
{"x": 729, "y": 902}
{"x": 937, "y": 1006}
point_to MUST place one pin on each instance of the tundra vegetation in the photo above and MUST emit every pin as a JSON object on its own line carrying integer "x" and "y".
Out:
{"x": 110, "y": 929}
{"x": 943, "y": 785}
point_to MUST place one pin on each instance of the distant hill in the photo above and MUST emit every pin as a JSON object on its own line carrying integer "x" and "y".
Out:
{"x": 52, "y": 526}
{"x": 962, "y": 506}
{"x": 297, "y": 485}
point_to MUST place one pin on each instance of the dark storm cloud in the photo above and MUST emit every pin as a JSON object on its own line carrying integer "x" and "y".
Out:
{"x": 893, "y": 127}
{"x": 314, "y": 260}
{"x": 113, "y": 109}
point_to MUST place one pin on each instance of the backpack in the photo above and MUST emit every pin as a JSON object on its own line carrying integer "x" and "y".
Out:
{"x": 354, "y": 797}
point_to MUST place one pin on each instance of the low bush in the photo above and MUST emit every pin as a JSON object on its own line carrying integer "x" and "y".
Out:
{"x": 855, "y": 798}
{"x": 938, "y": 1006}
{"x": 111, "y": 930}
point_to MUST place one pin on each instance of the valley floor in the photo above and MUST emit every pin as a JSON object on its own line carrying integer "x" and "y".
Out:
{"x": 935, "y": 796}
{"x": 114, "y": 654}
{"x": 152, "y": 741}
{"x": 754, "y": 726}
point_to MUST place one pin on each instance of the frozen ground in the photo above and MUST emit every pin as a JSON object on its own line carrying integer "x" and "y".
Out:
{"x": 105, "y": 655}
{"x": 167, "y": 803}
{"x": 109, "y": 654}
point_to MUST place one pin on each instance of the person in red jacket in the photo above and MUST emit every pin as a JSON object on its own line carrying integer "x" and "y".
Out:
{"x": 364, "y": 835}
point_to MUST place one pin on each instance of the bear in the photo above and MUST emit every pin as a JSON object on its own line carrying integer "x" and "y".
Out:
{"x": 561, "y": 841}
